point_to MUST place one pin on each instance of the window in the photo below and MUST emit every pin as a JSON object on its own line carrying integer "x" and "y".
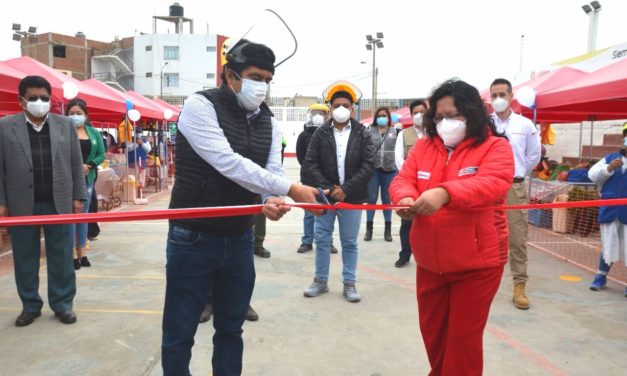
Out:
{"x": 148, "y": 74}
{"x": 211, "y": 49}
{"x": 211, "y": 75}
{"x": 148, "y": 48}
{"x": 58, "y": 51}
{"x": 171, "y": 80}
{"x": 171, "y": 53}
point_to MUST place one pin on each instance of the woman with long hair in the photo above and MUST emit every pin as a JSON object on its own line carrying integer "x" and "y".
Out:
{"x": 384, "y": 140}
{"x": 454, "y": 183}
{"x": 92, "y": 149}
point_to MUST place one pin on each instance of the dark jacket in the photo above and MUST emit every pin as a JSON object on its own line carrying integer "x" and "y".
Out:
{"x": 302, "y": 143}
{"x": 321, "y": 162}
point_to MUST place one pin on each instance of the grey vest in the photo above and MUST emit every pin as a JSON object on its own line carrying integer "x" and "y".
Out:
{"x": 384, "y": 158}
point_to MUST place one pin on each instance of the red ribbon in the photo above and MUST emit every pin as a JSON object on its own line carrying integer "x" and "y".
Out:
{"x": 233, "y": 211}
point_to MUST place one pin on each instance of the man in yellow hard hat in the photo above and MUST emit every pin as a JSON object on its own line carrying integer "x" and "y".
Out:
{"x": 318, "y": 115}
{"x": 340, "y": 158}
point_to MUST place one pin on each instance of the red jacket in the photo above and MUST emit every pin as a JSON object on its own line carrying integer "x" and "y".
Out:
{"x": 456, "y": 239}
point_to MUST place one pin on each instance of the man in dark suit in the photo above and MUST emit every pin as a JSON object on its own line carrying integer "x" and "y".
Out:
{"x": 41, "y": 173}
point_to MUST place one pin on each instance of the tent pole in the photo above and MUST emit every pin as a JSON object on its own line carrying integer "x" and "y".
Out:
{"x": 591, "y": 136}
{"x": 580, "y": 140}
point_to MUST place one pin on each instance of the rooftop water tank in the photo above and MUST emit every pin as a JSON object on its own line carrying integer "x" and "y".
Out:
{"x": 176, "y": 10}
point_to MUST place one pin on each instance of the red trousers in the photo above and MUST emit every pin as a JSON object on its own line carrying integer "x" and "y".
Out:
{"x": 453, "y": 310}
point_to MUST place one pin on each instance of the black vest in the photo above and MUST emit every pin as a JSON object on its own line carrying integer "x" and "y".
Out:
{"x": 198, "y": 184}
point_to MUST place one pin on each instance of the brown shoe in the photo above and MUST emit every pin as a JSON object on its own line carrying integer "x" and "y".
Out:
{"x": 66, "y": 317}
{"x": 206, "y": 313}
{"x": 26, "y": 318}
{"x": 262, "y": 252}
{"x": 520, "y": 296}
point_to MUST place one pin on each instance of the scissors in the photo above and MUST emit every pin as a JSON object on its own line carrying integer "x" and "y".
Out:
{"x": 322, "y": 198}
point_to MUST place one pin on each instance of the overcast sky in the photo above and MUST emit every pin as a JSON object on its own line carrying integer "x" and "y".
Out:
{"x": 426, "y": 42}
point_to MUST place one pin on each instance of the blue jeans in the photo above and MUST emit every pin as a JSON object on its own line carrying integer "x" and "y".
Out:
{"x": 349, "y": 222}
{"x": 79, "y": 240}
{"x": 198, "y": 264}
{"x": 405, "y": 252}
{"x": 603, "y": 266}
{"x": 308, "y": 228}
{"x": 380, "y": 180}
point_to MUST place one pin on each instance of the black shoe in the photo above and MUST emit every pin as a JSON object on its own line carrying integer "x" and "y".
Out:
{"x": 368, "y": 236}
{"x": 85, "y": 262}
{"x": 388, "y": 232}
{"x": 402, "y": 261}
{"x": 333, "y": 249}
{"x": 262, "y": 252}
{"x": 66, "y": 317}
{"x": 304, "y": 248}
{"x": 206, "y": 313}
{"x": 26, "y": 318}
{"x": 251, "y": 315}
{"x": 77, "y": 264}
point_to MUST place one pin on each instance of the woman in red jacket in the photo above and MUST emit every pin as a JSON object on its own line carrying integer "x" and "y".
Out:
{"x": 453, "y": 180}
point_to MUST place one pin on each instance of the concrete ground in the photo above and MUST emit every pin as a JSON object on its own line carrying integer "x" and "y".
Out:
{"x": 569, "y": 330}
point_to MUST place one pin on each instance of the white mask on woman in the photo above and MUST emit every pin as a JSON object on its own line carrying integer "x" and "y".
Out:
{"x": 451, "y": 131}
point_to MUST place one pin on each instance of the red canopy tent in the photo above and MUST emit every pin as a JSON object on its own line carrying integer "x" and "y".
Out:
{"x": 102, "y": 106}
{"x": 175, "y": 109}
{"x": 600, "y": 95}
{"x": 9, "y": 80}
{"x": 148, "y": 103}
{"x": 147, "y": 112}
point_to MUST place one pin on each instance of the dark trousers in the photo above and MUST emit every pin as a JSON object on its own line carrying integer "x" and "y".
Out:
{"x": 26, "y": 252}
{"x": 197, "y": 264}
{"x": 260, "y": 230}
{"x": 405, "y": 252}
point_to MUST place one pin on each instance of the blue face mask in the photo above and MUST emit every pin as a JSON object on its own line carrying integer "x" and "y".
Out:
{"x": 78, "y": 120}
{"x": 382, "y": 121}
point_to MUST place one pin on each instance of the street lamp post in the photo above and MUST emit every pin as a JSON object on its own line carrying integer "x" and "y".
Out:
{"x": 592, "y": 10}
{"x": 161, "y": 80}
{"x": 373, "y": 44}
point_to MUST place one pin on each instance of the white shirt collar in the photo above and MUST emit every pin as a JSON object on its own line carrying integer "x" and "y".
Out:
{"x": 347, "y": 127}
{"x": 37, "y": 128}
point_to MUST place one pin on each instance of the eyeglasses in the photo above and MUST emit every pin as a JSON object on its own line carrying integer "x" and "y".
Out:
{"x": 438, "y": 119}
{"x": 34, "y": 98}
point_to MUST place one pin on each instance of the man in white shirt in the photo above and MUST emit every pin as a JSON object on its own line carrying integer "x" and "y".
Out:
{"x": 525, "y": 140}
{"x": 340, "y": 158}
{"x": 404, "y": 142}
{"x": 228, "y": 152}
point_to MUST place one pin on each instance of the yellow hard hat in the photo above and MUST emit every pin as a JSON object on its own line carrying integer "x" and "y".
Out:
{"x": 225, "y": 47}
{"x": 342, "y": 85}
{"x": 319, "y": 107}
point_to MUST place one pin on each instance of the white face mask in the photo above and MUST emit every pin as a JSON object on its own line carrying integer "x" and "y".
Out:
{"x": 253, "y": 93}
{"x": 38, "y": 108}
{"x": 317, "y": 120}
{"x": 78, "y": 120}
{"x": 341, "y": 115}
{"x": 500, "y": 105}
{"x": 417, "y": 119}
{"x": 452, "y": 132}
